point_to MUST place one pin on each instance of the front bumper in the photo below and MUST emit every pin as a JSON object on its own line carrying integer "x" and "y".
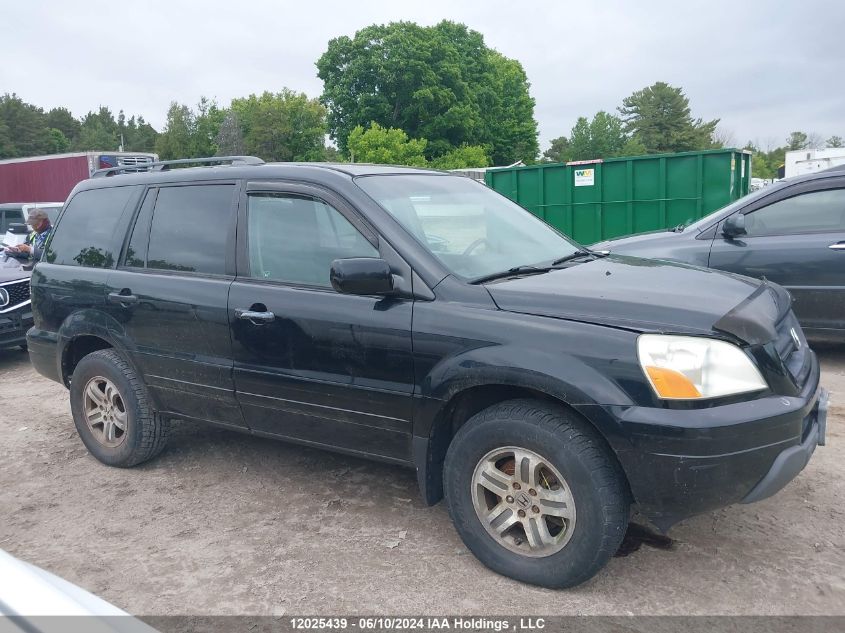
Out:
{"x": 791, "y": 461}
{"x": 680, "y": 463}
{"x": 13, "y": 326}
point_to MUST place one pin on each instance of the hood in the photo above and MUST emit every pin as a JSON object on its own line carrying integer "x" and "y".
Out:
{"x": 649, "y": 296}
{"x": 621, "y": 244}
{"x": 11, "y": 269}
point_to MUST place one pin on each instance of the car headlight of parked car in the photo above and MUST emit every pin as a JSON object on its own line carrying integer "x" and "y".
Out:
{"x": 690, "y": 368}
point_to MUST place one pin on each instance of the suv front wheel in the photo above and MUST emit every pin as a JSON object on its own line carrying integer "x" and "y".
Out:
{"x": 534, "y": 493}
{"x": 111, "y": 411}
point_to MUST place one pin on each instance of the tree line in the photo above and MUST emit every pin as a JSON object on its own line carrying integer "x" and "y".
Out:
{"x": 28, "y": 130}
{"x": 398, "y": 93}
{"x": 658, "y": 119}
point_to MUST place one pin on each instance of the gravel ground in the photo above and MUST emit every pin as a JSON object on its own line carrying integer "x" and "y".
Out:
{"x": 224, "y": 523}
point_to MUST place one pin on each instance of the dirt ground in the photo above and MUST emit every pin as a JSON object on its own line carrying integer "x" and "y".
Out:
{"x": 224, "y": 523}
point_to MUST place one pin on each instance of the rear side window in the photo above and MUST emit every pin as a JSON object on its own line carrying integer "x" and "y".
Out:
{"x": 190, "y": 228}
{"x": 84, "y": 237}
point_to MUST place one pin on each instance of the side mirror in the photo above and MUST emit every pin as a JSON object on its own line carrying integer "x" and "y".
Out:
{"x": 734, "y": 226}
{"x": 361, "y": 276}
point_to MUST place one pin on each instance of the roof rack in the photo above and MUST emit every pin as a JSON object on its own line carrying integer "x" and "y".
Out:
{"x": 165, "y": 165}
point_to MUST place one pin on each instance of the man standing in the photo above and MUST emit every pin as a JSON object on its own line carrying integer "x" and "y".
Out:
{"x": 34, "y": 245}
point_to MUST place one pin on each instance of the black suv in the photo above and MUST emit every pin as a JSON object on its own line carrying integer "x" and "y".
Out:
{"x": 422, "y": 319}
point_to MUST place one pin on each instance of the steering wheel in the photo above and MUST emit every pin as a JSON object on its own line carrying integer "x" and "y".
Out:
{"x": 475, "y": 244}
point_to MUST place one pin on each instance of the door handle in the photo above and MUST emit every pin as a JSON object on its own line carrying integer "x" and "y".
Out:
{"x": 123, "y": 299}
{"x": 839, "y": 246}
{"x": 256, "y": 318}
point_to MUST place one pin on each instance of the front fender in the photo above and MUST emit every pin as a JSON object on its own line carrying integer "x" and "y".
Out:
{"x": 563, "y": 376}
{"x": 576, "y": 363}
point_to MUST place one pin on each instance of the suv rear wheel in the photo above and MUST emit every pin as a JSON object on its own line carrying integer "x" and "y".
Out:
{"x": 111, "y": 411}
{"x": 534, "y": 493}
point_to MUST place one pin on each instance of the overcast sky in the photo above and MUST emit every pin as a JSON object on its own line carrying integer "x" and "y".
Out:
{"x": 765, "y": 68}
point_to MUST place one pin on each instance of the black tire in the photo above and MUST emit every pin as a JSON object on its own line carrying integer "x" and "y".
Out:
{"x": 146, "y": 431}
{"x": 571, "y": 446}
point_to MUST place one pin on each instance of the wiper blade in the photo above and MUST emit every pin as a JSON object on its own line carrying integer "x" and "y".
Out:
{"x": 510, "y": 272}
{"x": 583, "y": 252}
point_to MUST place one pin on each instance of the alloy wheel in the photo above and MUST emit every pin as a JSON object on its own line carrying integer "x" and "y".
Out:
{"x": 523, "y": 501}
{"x": 105, "y": 412}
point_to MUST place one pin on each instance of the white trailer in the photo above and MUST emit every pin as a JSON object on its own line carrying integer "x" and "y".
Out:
{"x": 807, "y": 161}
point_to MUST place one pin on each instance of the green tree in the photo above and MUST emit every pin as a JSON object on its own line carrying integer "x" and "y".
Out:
{"x": 834, "y": 141}
{"x": 187, "y": 133}
{"x": 7, "y": 147}
{"x": 440, "y": 83}
{"x": 61, "y": 119}
{"x": 600, "y": 138}
{"x": 796, "y": 141}
{"x": 175, "y": 141}
{"x": 462, "y": 157}
{"x": 99, "y": 131}
{"x": 26, "y": 132}
{"x": 286, "y": 126}
{"x": 633, "y": 147}
{"x": 58, "y": 141}
{"x": 95, "y": 136}
{"x": 760, "y": 167}
{"x": 138, "y": 135}
{"x": 143, "y": 137}
{"x": 765, "y": 164}
{"x": 559, "y": 151}
{"x": 230, "y": 138}
{"x": 659, "y": 116}
{"x": 207, "y": 121}
{"x": 507, "y": 111}
{"x": 332, "y": 155}
{"x": 385, "y": 146}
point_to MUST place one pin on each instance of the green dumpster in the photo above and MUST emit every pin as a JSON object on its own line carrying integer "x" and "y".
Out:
{"x": 600, "y": 199}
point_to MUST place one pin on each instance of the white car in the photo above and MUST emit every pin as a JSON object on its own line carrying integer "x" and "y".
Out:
{"x": 28, "y": 594}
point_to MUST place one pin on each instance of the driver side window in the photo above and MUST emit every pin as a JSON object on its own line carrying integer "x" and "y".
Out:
{"x": 294, "y": 238}
{"x": 813, "y": 212}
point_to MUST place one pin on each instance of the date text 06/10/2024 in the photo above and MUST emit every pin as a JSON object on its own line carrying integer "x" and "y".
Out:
{"x": 416, "y": 624}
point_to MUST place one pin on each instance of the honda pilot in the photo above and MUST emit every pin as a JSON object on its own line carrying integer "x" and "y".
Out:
{"x": 421, "y": 319}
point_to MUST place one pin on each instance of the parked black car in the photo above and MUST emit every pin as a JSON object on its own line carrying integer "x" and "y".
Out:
{"x": 12, "y": 213}
{"x": 15, "y": 310}
{"x": 422, "y": 319}
{"x": 792, "y": 233}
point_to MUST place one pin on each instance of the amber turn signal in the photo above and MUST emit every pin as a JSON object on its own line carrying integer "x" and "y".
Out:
{"x": 669, "y": 383}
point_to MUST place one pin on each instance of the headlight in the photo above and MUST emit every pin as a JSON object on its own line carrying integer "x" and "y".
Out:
{"x": 689, "y": 368}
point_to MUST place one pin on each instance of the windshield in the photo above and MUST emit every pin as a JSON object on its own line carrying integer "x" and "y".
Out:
{"x": 470, "y": 228}
{"x": 707, "y": 220}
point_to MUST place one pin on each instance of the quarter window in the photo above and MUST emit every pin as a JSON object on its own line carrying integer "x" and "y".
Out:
{"x": 295, "y": 238}
{"x": 136, "y": 251}
{"x": 814, "y": 212}
{"x": 190, "y": 228}
{"x": 85, "y": 235}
